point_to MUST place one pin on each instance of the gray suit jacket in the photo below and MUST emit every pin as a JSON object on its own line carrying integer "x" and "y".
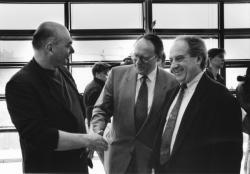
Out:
{"x": 118, "y": 100}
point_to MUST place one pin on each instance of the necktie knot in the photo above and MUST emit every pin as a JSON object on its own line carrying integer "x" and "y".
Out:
{"x": 183, "y": 86}
{"x": 144, "y": 78}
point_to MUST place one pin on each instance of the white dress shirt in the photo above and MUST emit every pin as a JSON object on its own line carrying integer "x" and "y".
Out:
{"x": 191, "y": 86}
{"x": 151, "y": 86}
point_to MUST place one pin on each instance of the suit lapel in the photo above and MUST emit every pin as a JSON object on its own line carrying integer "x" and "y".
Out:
{"x": 71, "y": 82}
{"x": 57, "y": 97}
{"x": 194, "y": 106}
{"x": 130, "y": 90}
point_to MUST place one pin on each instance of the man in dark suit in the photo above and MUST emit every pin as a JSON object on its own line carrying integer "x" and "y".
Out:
{"x": 133, "y": 95}
{"x": 202, "y": 129}
{"x": 94, "y": 88}
{"x": 45, "y": 108}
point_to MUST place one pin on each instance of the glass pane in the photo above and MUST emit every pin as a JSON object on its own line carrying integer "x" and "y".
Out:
{"x": 29, "y": 16}
{"x": 82, "y": 76}
{"x": 231, "y": 76}
{"x": 106, "y": 16}
{"x": 5, "y": 120}
{"x": 102, "y": 50}
{"x": 11, "y": 167}
{"x": 15, "y": 51}
{"x": 210, "y": 43}
{"x": 237, "y": 15}
{"x": 237, "y": 48}
{"x": 10, "y": 146}
{"x": 5, "y": 75}
{"x": 185, "y": 15}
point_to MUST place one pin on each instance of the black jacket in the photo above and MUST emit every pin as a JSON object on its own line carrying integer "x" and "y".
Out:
{"x": 91, "y": 94}
{"x": 38, "y": 113}
{"x": 209, "y": 139}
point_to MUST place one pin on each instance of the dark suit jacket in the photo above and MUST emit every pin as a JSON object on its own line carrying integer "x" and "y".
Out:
{"x": 209, "y": 139}
{"x": 118, "y": 100}
{"x": 219, "y": 79}
{"x": 91, "y": 94}
{"x": 38, "y": 113}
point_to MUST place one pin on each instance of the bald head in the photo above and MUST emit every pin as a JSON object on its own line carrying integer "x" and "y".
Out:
{"x": 45, "y": 32}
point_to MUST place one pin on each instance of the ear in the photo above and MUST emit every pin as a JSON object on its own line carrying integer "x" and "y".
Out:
{"x": 49, "y": 47}
{"x": 199, "y": 60}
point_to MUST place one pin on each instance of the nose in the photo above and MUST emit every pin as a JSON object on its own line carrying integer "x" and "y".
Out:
{"x": 173, "y": 65}
{"x": 72, "y": 50}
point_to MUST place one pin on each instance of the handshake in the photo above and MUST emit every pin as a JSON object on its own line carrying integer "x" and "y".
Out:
{"x": 96, "y": 142}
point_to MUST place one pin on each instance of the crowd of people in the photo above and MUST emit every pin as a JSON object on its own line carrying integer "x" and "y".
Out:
{"x": 141, "y": 119}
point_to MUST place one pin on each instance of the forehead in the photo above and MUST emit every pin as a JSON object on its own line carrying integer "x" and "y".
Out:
{"x": 220, "y": 56}
{"x": 180, "y": 47}
{"x": 63, "y": 34}
{"x": 144, "y": 46}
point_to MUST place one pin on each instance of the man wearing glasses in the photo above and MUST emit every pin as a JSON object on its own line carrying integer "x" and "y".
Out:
{"x": 134, "y": 96}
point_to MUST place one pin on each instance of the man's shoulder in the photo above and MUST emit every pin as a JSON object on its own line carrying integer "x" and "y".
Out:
{"x": 93, "y": 85}
{"x": 123, "y": 71}
{"x": 167, "y": 77}
{"x": 217, "y": 89}
{"x": 123, "y": 68}
{"x": 25, "y": 73}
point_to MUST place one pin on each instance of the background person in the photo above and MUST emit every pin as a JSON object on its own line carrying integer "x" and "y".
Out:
{"x": 216, "y": 57}
{"x": 93, "y": 89}
{"x": 243, "y": 96}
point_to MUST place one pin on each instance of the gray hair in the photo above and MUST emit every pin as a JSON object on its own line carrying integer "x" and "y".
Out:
{"x": 197, "y": 48}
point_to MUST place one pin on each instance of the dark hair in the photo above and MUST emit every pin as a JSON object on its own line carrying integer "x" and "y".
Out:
{"x": 156, "y": 41}
{"x": 127, "y": 61}
{"x": 41, "y": 35}
{"x": 197, "y": 47}
{"x": 246, "y": 83}
{"x": 100, "y": 67}
{"x": 163, "y": 57}
{"x": 214, "y": 52}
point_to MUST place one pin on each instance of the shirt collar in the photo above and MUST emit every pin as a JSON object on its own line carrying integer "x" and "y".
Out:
{"x": 151, "y": 76}
{"x": 195, "y": 81}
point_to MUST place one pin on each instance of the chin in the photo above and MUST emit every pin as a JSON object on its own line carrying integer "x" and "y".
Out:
{"x": 180, "y": 79}
{"x": 140, "y": 70}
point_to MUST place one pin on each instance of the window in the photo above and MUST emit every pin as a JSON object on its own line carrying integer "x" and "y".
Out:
{"x": 5, "y": 75}
{"x": 237, "y": 48}
{"x": 102, "y": 50}
{"x": 10, "y": 148}
{"x": 231, "y": 76}
{"x": 210, "y": 43}
{"x": 15, "y": 51}
{"x": 82, "y": 76}
{"x": 185, "y": 15}
{"x": 237, "y": 15}
{"x": 29, "y": 16}
{"x": 106, "y": 16}
{"x": 4, "y": 115}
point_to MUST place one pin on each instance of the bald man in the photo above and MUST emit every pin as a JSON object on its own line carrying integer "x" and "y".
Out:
{"x": 45, "y": 108}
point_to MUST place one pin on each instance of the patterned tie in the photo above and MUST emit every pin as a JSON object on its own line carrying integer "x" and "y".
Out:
{"x": 169, "y": 128}
{"x": 141, "y": 106}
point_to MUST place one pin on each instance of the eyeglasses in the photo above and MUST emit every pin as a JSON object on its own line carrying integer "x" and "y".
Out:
{"x": 142, "y": 59}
